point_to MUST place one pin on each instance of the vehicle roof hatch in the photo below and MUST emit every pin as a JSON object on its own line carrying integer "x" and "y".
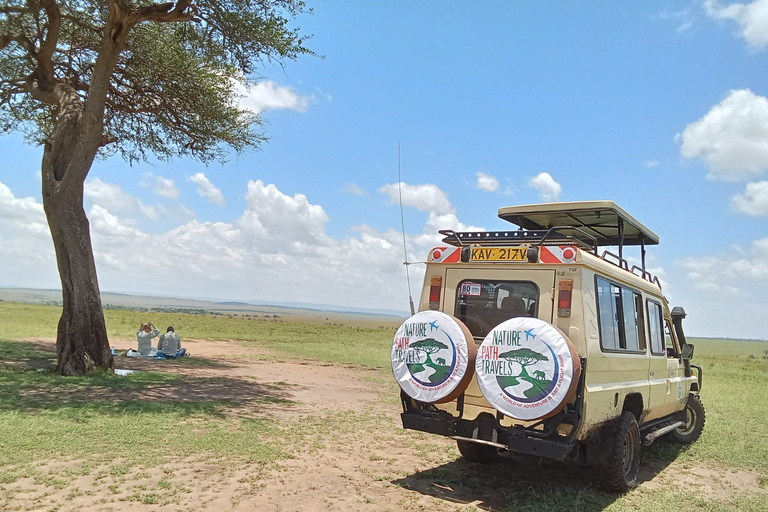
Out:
{"x": 604, "y": 220}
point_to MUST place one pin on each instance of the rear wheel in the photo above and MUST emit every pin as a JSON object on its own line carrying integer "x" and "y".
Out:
{"x": 476, "y": 452}
{"x": 618, "y": 470}
{"x": 694, "y": 422}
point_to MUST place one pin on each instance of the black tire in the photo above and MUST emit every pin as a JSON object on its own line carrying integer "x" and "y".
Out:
{"x": 476, "y": 452}
{"x": 618, "y": 470}
{"x": 694, "y": 423}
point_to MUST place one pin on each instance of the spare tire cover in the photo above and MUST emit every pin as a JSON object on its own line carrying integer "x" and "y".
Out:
{"x": 431, "y": 358}
{"x": 526, "y": 368}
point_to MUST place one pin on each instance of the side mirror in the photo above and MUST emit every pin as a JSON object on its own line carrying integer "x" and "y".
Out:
{"x": 687, "y": 351}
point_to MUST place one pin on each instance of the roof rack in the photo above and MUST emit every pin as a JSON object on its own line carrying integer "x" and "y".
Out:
{"x": 551, "y": 236}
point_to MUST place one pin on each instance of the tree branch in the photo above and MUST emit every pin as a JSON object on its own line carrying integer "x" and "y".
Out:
{"x": 50, "y": 41}
{"x": 167, "y": 12}
{"x": 21, "y": 40}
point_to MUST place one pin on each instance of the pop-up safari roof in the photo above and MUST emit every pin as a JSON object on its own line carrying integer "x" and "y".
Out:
{"x": 604, "y": 220}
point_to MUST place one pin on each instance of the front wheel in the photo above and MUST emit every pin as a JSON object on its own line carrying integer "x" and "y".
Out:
{"x": 618, "y": 470}
{"x": 694, "y": 422}
{"x": 476, "y": 452}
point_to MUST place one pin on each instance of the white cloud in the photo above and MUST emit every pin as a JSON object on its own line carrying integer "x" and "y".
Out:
{"x": 20, "y": 210}
{"x": 651, "y": 163}
{"x": 754, "y": 200}
{"x": 548, "y": 188}
{"x": 165, "y": 187}
{"x": 752, "y": 19}
{"x": 207, "y": 189}
{"x": 683, "y": 17}
{"x": 280, "y": 222}
{"x": 426, "y": 198}
{"x": 724, "y": 271}
{"x": 115, "y": 200}
{"x": 353, "y": 189}
{"x": 487, "y": 182}
{"x": 732, "y": 138}
{"x": 723, "y": 294}
{"x": 109, "y": 195}
{"x": 26, "y": 249}
{"x": 268, "y": 95}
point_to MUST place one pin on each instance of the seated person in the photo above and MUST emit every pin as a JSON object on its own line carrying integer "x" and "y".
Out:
{"x": 170, "y": 345}
{"x": 145, "y": 335}
{"x": 513, "y": 306}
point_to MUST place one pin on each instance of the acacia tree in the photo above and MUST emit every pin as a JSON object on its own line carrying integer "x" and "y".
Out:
{"x": 88, "y": 78}
{"x": 524, "y": 357}
{"x": 429, "y": 346}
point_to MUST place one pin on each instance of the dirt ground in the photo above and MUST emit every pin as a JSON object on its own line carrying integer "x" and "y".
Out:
{"x": 380, "y": 468}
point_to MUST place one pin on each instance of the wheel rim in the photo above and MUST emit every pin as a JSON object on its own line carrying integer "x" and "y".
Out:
{"x": 629, "y": 452}
{"x": 690, "y": 421}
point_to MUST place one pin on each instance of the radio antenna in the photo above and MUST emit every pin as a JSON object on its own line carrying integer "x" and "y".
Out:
{"x": 402, "y": 224}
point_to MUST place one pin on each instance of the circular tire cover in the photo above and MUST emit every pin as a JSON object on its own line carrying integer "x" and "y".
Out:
{"x": 527, "y": 368}
{"x": 431, "y": 359}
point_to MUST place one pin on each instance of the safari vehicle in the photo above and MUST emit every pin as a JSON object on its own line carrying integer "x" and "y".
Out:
{"x": 539, "y": 340}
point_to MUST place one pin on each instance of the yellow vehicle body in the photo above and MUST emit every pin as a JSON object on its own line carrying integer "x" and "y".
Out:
{"x": 635, "y": 362}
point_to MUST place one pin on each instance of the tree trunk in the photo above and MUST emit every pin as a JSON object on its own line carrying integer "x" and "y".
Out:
{"x": 81, "y": 340}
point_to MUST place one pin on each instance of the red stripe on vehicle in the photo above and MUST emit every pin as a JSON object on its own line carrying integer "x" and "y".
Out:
{"x": 546, "y": 256}
{"x": 454, "y": 257}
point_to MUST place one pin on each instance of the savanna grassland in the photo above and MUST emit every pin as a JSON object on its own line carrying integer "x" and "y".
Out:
{"x": 274, "y": 415}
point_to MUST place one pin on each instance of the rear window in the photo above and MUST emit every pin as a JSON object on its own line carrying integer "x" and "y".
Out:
{"x": 483, "y": 304}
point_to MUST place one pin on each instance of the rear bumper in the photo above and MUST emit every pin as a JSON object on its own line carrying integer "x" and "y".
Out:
{"x": 486, "y": 428}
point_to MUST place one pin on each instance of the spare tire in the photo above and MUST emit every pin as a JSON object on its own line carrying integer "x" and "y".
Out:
{"x": 527, "y": 369}
{"x": 433, "y": 357}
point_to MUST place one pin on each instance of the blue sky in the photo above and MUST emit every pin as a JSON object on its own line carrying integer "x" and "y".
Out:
{"x": 659, "y": 105}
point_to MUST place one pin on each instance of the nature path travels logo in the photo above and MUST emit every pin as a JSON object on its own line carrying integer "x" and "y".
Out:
{"x": 430, "y": 356}
{"x": 525, "y": 368}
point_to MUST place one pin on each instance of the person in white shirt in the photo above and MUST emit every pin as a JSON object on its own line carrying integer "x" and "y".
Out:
{"x": 145, "y": 335}
{"x": 170, "y": 345}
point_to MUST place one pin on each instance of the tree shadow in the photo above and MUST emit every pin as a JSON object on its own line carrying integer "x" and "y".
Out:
{"x": 30, "y": 384}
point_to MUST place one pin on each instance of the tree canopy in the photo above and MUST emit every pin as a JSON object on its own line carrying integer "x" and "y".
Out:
{"x": 429, "y": 345}
{"x": 524, "y": 356}
{"x": 171, "y": 90}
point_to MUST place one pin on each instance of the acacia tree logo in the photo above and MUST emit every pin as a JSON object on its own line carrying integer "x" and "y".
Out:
{"x": 526, "y": 357}
{"x": 430, "y": 346}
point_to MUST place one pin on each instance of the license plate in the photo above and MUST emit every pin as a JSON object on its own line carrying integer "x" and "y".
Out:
{"x": 499, "y": 254}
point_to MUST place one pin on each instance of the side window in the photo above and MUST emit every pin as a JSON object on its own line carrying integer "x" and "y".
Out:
{"x": 483, "y": 304}
{"x": 671, "y": 340}
{"x": 620, "y": 316}
{"x": 656, "y": 328}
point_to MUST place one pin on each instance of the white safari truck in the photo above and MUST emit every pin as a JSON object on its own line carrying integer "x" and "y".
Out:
{"x": 545, "y": 340}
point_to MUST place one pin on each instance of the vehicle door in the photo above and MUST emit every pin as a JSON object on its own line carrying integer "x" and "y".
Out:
{"x": 679, "y": 384}
{"x": 662, "y": 369}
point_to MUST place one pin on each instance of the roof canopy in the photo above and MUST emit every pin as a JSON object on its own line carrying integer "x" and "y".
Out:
{"x": 604, "y": 220}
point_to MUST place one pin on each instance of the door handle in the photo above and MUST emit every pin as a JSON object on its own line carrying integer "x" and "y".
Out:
{"x": 651, "y": 372}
